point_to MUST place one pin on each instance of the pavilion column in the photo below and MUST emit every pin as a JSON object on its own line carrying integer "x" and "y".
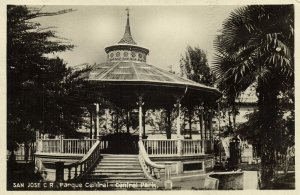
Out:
{"x": 211, "y": 129}
{"x": 127, "y": 121}
{"x": 178, "y": 123}
{"x": 201, "y": 121}
{"x": 96, "y": 121}
{"x": 169, "y": 124}
{"x": 144, "y": 123}
{"x": 91, "y": 124}
{"x": 205, "y": 123}
{"x": 190, "y": 111}
{"x": 210, "y": 123}
{"x": 117, "y": 121}
{"x": 140, "y": 104}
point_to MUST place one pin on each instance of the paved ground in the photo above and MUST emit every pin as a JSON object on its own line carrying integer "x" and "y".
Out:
{"x": 188, "y": 182}
{"x": 250, "y": 180}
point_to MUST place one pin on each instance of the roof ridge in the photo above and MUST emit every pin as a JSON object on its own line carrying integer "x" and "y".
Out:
{"x": 109, "y": 70}
{"x": 134, "y": 69}
{"x": 186, "y": 79}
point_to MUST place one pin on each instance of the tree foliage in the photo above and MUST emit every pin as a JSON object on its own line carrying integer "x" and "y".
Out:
{"x": 40, "y": 88}
{"x": 194, "y": 66}
{"x": 256, "y": 47}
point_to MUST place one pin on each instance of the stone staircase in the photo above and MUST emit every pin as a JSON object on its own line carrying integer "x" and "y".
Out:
{"x": 118, "y": 171}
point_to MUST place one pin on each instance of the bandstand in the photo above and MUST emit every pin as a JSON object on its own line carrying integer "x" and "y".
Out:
{"x": 129, "y": 83}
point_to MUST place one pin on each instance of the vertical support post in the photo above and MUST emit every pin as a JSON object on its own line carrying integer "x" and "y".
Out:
{"x": 169, "y": 123}
{"x": 117, "y": 121}
{"x": 203, "y": 146}
{"x": 91, "y": 124}
{"x": 37, "y": 135}
{"x": 168, "y": 182}
{"x": 178, "y": 128}
{"x": 96, "y": 121}
{"x": 201, "y": 121}
{"x": 38, "y": 142}
{"x": 219, "y": 132}
{"x": 59, "y": 173}
{"x": 61, "y": 143}
{"x": 112, "y": 120}
{"x": 211, "y": 129}
{"x": 140, "y": 104}
{"x": 205, "y": 124}
{"x": 144, "y": 123}
{"x": 190, "y": 121}
{"x": 210, "y": 113}
{"x": 127, "y": 121}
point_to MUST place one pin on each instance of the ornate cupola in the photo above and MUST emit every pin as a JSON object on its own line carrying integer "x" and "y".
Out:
{"x": 127, "y": 49}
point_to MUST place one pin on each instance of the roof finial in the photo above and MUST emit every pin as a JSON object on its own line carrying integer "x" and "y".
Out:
{"x": 127, "y": 38}
{"x": 127, "y": 9}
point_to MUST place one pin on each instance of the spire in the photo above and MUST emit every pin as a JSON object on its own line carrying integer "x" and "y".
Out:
{"x": 127, "y": 38}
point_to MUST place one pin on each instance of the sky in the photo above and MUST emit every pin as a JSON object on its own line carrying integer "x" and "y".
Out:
{"x": 165, "y": 30}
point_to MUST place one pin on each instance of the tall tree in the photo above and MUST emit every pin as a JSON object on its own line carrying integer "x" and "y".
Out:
{"x": 41, "y": 90}
{"x": 256, "y": 47}
{"x": 194, "y": 66}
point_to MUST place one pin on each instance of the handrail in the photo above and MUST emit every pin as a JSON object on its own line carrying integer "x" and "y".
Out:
{"x": 151, "y": 169}
{"x": 146, "y": 157}
{"x": 87, "y": 154}
{"x": 85, "y": 164}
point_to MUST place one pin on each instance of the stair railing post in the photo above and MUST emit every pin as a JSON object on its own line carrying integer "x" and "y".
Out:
{"x": 59, "y": 172}
{"x": 168, "y": 182}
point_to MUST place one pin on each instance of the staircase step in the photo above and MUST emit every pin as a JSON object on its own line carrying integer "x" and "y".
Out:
{"x": 120, "y": 155}
{"x": 117, "y": 171}
{"x": 117, "y": 168}
{"x": 118, "y": 161}
{"x": 116, "y": 178}
{"x": 119, "y": 164}
{"x": 122, "y": 167}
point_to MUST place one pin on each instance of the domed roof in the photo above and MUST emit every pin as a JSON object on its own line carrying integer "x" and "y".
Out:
{"x": 127, "y": 66}
{"x": 135, "y": 72}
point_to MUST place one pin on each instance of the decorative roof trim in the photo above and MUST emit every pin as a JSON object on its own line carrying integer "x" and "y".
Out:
{"x": 126, "y": 47}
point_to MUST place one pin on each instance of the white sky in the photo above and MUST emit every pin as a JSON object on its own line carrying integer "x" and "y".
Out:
{"x": 165, "y": 30}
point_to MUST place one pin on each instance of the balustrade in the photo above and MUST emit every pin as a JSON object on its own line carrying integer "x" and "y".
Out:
{"x": 170, "y": 147}
{"x": 68, "y": 146}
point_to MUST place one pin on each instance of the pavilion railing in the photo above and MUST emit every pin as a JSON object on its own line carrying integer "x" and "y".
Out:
{"x": 67, "y": 146}
{"x": 171, "y": 147}
{"x": 24, "y": 152}
{"x": 160, "y": 147}
{"x": 190, "y": 147}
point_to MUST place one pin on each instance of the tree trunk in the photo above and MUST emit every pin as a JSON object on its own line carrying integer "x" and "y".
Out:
{"x": 190, "y": 122}
{"x": 201, "y": 123}
{"x": 168, "y": 126}
{"x": 268, "y": 110}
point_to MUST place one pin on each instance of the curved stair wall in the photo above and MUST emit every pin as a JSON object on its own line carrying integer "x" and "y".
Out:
{"x": 152, "y": 170}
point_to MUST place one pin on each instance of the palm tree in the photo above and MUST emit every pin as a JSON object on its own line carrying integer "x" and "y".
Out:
{"x": 256, "y": 48}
